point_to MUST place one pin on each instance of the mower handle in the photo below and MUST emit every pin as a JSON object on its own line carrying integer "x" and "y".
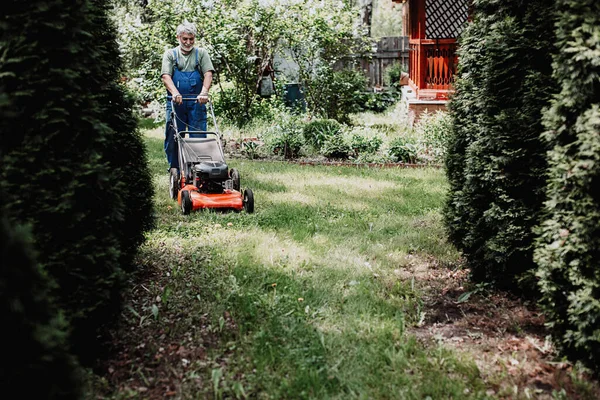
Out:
{"x": 169, "y": 97}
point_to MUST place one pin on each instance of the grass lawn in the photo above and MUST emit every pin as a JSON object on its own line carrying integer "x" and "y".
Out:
{"x": 312, "y": 296}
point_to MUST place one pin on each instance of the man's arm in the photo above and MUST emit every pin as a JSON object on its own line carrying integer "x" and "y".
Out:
{"x": 168, "y": 82}
{"x": 203, "y": 96}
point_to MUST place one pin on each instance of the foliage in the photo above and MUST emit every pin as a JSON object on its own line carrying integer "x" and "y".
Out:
{"x": 229, "y": 108}
{"x": 379, "y": 101}
{"x": 319, "y": 34}
{"x": 316, "y": 132}
{"x": 242, "y": 39}
{"x": 37, "y": 346}
{"x": 404, "y": 149}
{"x": 336, "y": 146}
{"x": 284, "y": 137}
{"x": 250, "y": 149}
{"x": 434, "y": 131}
{"x": 393, "y": 74}
{"x": 568, "y": 247}
{"x": 76, "y": 168}
{"x": 496, "y": 160}
{"x": 336, "y": 94}
{"x": 361, "y": 144}
{"x": 387, "y": 19}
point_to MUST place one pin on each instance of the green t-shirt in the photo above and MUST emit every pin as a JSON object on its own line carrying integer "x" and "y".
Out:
{"x": 186, "y": 62}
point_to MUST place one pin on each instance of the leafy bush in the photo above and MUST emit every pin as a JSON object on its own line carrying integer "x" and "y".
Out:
{"x": 337, "y": 147}
{"x": 568, "y": 246}
{"x": 404, "y": 149}
{"x": 337, "y": 94}
{"x": 433, "y": 131}
{"x": 75, "y": 171}
{"x": 378, "y": 101}
{"x": 317, "y": 132}
{"x": 392, "y": 75}
{"x": 250, "y": 149}
{"x": 232, "y": 110}
{"x": 496, "y": 160}
{"x": 364, "y": 145}
{"x": 243, "y": 38}
{"x": 34, "y": 330}
{"x": 285, "y": 137}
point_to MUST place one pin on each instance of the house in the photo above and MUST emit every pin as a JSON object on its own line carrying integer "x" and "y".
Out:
{"x": 433, "y": 27}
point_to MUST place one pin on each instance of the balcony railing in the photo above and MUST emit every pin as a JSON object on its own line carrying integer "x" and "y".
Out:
{"x": 432, "y": 67}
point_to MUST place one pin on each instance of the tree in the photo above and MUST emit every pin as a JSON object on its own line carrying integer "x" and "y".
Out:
{"x": 496, "y": 160}
{"x": 568, "y": 247}
{"x": 36, "y": 361}
{"x": 73, "y": 164}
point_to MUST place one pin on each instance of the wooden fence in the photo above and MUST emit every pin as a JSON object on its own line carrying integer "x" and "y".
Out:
{"x": 389, "y": 51}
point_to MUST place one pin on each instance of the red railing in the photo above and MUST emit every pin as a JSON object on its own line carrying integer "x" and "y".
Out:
{"x": 432, "y": 67}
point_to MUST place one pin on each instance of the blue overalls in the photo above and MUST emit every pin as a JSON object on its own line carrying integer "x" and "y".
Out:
{"x": 191, "y": 115}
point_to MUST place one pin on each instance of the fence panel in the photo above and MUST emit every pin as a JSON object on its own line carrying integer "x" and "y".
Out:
{"x": 389, "y": 51}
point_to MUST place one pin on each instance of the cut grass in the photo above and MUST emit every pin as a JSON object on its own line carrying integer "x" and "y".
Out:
{"x": 303, "y": 299}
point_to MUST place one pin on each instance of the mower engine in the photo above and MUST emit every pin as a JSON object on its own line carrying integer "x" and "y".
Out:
{"x": 211, "y": 177}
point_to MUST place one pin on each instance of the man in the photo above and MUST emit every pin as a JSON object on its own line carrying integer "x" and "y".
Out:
{"x": 186, "y": 73}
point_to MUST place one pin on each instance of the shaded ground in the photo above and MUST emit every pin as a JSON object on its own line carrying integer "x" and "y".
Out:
{"x": 148, "y": 360}
{"x": 505, "y": 336}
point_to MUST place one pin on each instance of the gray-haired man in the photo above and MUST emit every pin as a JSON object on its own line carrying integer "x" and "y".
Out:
{"x": 186, "y": 73}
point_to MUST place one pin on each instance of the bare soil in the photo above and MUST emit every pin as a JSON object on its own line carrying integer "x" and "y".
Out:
{"x": 504, "y": 335}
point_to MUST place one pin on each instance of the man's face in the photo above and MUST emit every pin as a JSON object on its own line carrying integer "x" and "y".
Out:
{"x": 186, "y": 40}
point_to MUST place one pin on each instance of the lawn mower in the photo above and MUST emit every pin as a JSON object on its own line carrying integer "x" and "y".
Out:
{"x": 204, "y": 181}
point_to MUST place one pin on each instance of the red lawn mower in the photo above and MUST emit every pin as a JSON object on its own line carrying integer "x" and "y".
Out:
{"x": 204, "y": 180}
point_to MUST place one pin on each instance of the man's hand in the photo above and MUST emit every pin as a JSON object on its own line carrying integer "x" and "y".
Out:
{"x": 177, "y": 99}
{"x": 203, "y": 98}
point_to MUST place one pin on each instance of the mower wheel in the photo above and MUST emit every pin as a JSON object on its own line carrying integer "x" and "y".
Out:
{"x": 249, "y": 201}
{"x": 173, "y": 183}
{"x": 186, "y": 202}
{"x": 235, "y": 177}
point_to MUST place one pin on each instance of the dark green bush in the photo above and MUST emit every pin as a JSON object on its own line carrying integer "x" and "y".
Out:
{"x": 364, "y": 145}
{"x": 316, "y": 132}
{"x": 285, "y": 137}
{"x": 74, "y": 167}
{"x": 230, "y": 108}
{"x": 404, "y": 149}
{"x": 337, "y": 94}
{"x": 496, "y": 160}
{"x": 568, "y": 247}
{"x": 337, "y": 147}
{"x": 36, "y": 362}
{"x": 378, "y": 101}
{"x": 392, "y": 75}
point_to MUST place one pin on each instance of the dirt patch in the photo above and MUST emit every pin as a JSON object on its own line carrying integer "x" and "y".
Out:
{"x": 504, "y": 335}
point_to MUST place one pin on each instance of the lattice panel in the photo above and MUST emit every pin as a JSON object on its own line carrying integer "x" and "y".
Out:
{"x": 444, "y": 19}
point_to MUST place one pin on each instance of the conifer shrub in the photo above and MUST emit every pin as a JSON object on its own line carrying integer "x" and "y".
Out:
{"x": 74, "y": 168}
{"x": 35, "y": 362}
{"x": 496, "y": 159}
{"x": 568, "y": 246}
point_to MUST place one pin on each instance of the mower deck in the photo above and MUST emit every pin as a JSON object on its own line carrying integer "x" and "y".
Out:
{"x": 229, "y": 200}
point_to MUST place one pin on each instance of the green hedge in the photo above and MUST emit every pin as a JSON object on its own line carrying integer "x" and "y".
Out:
{"x": 73, "y": 166}
{"x": 568, "y": 249}
{"x": 496, "y": 160}
{"x": 35, "y": 361}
